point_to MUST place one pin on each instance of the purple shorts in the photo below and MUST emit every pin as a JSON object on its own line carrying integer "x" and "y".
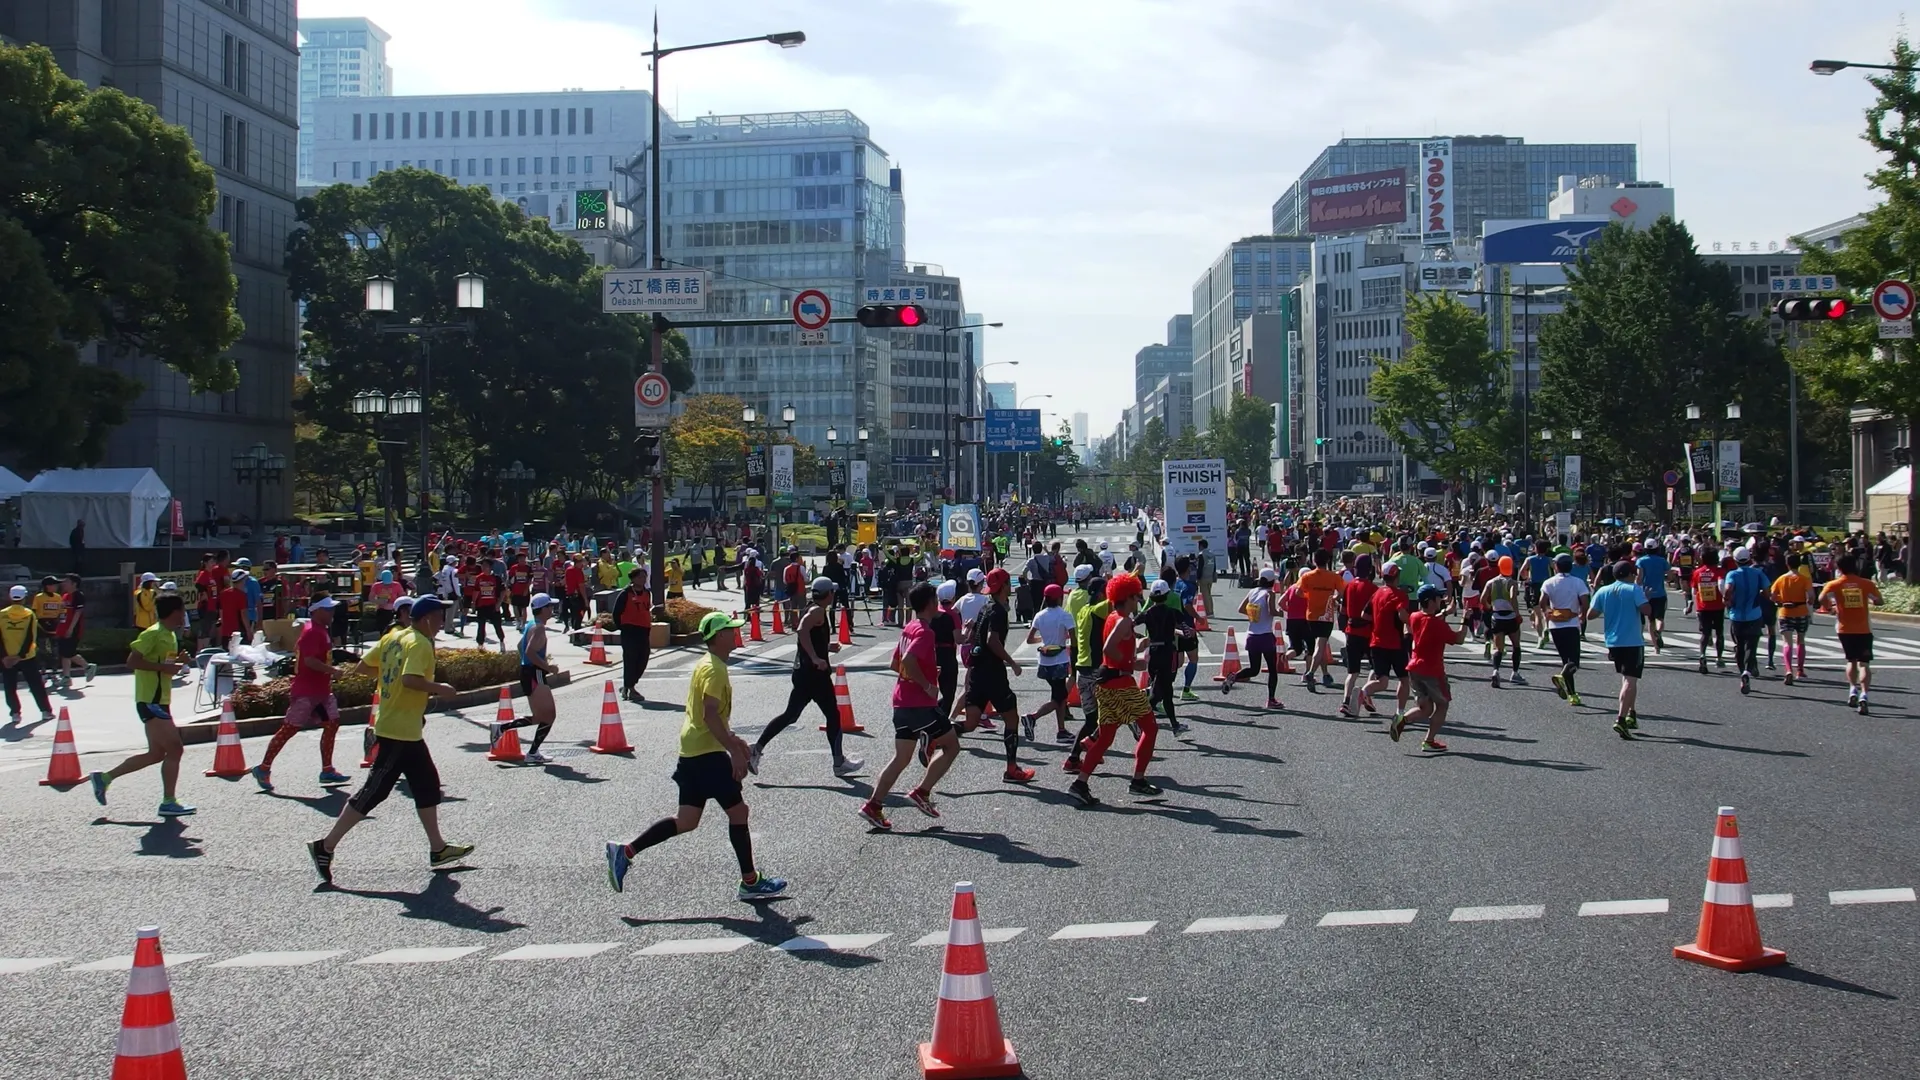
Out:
{"x": 309, "y": 712}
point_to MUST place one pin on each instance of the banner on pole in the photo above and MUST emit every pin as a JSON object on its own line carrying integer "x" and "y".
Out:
{"x": 1700, "y": 471}
{"x": 782, "y": 480}
{"x": 1570, "y": 474}
{"x": 857, "y": 481}
{"x": 1728, "y": 473}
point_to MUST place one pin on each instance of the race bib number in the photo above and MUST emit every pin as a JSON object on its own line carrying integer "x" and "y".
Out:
{"x": 1709, "y": 592}
{"x": 1853, "y": 597}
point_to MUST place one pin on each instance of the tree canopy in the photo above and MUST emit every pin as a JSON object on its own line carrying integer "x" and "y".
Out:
{"x": 104, "y": 237}
{"x": 1445, "y": 402}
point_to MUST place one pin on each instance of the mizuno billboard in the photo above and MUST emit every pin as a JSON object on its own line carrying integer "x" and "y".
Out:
{"x": 1540, "y": 241}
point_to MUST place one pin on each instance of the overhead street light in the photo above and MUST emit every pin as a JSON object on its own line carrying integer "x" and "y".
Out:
{"x": 1834, "y": 67}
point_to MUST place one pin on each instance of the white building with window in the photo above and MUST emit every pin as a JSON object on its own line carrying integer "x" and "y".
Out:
{"x": 339, "y": 58}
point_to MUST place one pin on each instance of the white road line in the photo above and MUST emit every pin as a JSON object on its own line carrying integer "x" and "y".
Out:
{"x": 1772, "y": 899}
{"x": 1624, "y": 907}
{"x": 419, "y": 956}
{"x": 573, "y": 951}
{"x": 831, "y": 942}
{"x": 20, "y": 965}
{"x": 1382, "y": 917}
{"x": 280, "y": 959}
{"x": 992, "y": 936}
{"x": 1079, "y": 931}
{"x": 1498, "y": 913}
{"x": 1871, "y": 896}
{"x": 696, "y": 946}
{"x": 125, "y": 963}
{"x": 1243, "y": 922}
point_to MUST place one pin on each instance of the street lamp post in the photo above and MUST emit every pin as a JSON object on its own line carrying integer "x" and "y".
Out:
{"x": 951, "y": 474}
{"x": 516, "y": 476}
{"x": 656, "y": 333}
{"x": 470, "y": 296}
{"x": 1020, "y": 463}
{"x": 1834, "y": 67}
{"x": 749, "y": 415}
{"x": 378, "y": 406}
{"x": 1733, "y": 413}
{"x": 260, "y": 466}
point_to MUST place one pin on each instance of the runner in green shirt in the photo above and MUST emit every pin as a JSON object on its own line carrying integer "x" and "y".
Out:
{"x": 154, "y": 658}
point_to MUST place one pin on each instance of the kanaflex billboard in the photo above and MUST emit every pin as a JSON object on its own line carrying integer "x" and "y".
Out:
{"x": 1338, "y": 204}
{"x": 1559, "y": 241}
{"x": 1436, "y": 192}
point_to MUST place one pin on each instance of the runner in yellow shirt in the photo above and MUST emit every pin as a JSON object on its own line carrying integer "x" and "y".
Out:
{"x": 154, "y": 657}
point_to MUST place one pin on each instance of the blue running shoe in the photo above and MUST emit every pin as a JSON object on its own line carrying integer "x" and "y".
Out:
{"x": 100, "y": 782}
{"x": 263, "y": 776}
{"x": 175, "y": 808}
{"x": 617, "y": 863}
{"x": 334, "y": 778}
{"x": 763, "y": 888}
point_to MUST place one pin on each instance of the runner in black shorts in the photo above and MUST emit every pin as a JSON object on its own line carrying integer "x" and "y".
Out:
{"x": 535, "y": 669}
{"x": 917, "y": 713}
{"x": 988, "y": 666}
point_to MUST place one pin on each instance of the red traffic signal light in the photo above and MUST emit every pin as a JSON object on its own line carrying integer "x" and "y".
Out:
{"x": 1812, "y": 309}
{"x": 891, "y": 315}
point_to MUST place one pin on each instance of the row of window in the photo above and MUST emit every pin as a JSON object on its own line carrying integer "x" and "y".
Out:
{"x": 805, "y": 267}
{"x": 750, "y": 233}
{"x": 480, "y": 123}
{"x": 478, "y": 167}
{"x": 694, "y": 168}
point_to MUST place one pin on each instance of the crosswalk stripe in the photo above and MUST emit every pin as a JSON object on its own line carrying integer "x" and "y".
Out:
{"x": 125, "y": 963}
{"x": 830, "y": 942}
{"x": 558, "y": 952}
{"x": 696, "y": 946}
{"x": 1871, "y": 896}
{"x": 992, "y": 936}
{"x": 419, "y": 956}
{"x": 1082, "y": 931}
{"x": 280, "y": 959}
{"x": 1773, "y": 900}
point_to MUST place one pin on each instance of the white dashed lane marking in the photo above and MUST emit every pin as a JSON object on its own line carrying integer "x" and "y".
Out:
{"x": 418, "y": 956}
{"x": 1383, "y": 917}
{"x": 1871, "y": 896}
{"x": 831, "y": 942}
{"x": 1624, "y": 907}
{"x": 280, "y": 959}
{"x": 1498, "y": 913}
{"x": 1080, "y": 931}
{"x": 558, "y": 952}
{"x": 1773, "y": 900}
{"x": 24, "y": 964}
{"x": 696, "y": 946}
{"x": 125, "y": 963}
{"x": 992, "y": 936}
{"x": 1242, "y": 922}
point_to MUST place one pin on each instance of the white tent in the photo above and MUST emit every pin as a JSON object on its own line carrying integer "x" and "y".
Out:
{"x": 10, "y": 483}
{"x": 1896, "y": 482}
{"x": 121, "y": 507}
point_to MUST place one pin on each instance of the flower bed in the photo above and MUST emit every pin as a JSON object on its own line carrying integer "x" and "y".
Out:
{"x": 465, "y": 669}
{"x": 685, "y": 615}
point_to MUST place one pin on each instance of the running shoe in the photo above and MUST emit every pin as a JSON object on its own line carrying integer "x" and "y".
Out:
{"x": 100, "y": 781}
{"x": 753, "y": 759}
{"x": 1326, "y": 679}
{"x": 1720, "y": 662}
{"x": 175, "y": 808}
{"x": 1433, "y": 746}
{"x": 1071, "y": 765}
{"x": 1140, "y": 785}
{"x": 617, "y": 863}
{"x": 1789, "y": 678}
{"x": 92, "y": 670}
{"x": 1633, "y": 720}
{"x": 1399, "y": 725}
{"x": 452, "y": 853}
{"x": 849, "y": 766}
{"x": 1226, "y": 684}
{"x": 262, "y": 776}
{"x": 1063, "y": 736}
{"x": 762, "y": 888}
{"x": 322, "y": 859}
{"x": 535, "y": 757}
{"x": 1560, "y": 686}
{"x": 1175, "y": 726}
{"x": 13, "y": 718}
{"x": 1017, "y": 775}
{"x": 1621, "y": 729}
{"x": 1769, "y": 663}
{"x": 1853, "y": 699}
{"x": 1517, "y": 679}
{"x": 1495, "y": 682}
{"x": 1347, "y": 711}
{"x": 923, "y": 802}
{"x": 1026, "y": 727}
{"x": 1573, "y": 700}
{"x": 334, "y": 778}
{"x": 1366, "y": 702}
{"x": 986, "y": 724}
{"x": 1703, "y": 665}
{"x": 1746, "y": 683}
{"x": 1274, "y": 703}
{"x": 1135, "y": 728}
{"x": 1079, "y": 790}
{"x": 875, "y": 816}
{"x": 1863, "y": 705}
{"x": 1187, "y": 694}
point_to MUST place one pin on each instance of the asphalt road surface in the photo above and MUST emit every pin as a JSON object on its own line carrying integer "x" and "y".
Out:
{"x": 1308, "y": 899}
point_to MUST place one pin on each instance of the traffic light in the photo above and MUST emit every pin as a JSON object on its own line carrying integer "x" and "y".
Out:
{"x": 648, "y": 443}
{"x": 1805, "y": 309}
{"x": 892, "y": 315}
{"x": 1322, "y": 441}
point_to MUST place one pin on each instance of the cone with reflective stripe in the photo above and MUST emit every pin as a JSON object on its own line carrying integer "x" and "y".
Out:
{"x": 149, "y": 1045}
{"x": 508, "y": 748}
{"x": 846, "y": 627}
{"x": 779, "y": 625}
{"x": 1230, "y": 659}
{"x": 843, "y": 698}
{"x": 753, "y": 625}
{"x": 1729, "y": 935}
{"x": 597, "y": 652}
{"x": 229, "y": 761}
{"x": 967, "y": 1041}
{"x": 613, "y": 730}
{"x": 64, "y": 769}
{"x": 1200, "y": 611}
{"x": 368, "y": 742}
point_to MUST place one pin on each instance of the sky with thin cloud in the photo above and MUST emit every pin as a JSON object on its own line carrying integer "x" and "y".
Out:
{"x": 1080, "y": 163}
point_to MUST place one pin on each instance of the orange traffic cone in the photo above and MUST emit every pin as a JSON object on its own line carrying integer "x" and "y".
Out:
{"x": 229, "y": 761}
{"x": 844, "y": 699}
{"x": 967, "y": 1041}
{"x": 846, "y": 627}
{"x": 1230, "y": 660}
{"x": 613, "y": 730}
{"x": 1729, "y": 935}
{"x": 779, "y": 627}
{"x": 1200, "y": 611}
{"x": 753, "y": 625}
{"x": 1145, "y": 680}
{"x": 597, "y": 652}
{"x": 508, "y": 748}
{"x": 64, "y": 769}
{"x": 149, "y": 1045}
{"x": 368, "y": 742}
{"x": 1073, "y": 694}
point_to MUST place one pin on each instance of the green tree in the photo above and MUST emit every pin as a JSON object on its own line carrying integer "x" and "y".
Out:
{"x": 1054, "y": 470}
{"x": 1142, "y": 482}
{"x": 103, "y": 237}
{"x": 1444, "y": 403}
{"x": 1242, "y": 436}
{"x": 1846, "y": 363}
{"x": 1648, "y": 328}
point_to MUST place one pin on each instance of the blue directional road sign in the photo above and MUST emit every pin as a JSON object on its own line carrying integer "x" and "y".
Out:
{"x": 1011, "y": 431}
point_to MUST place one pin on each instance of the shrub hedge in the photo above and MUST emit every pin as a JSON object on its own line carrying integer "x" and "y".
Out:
{"x": 465, "y": 669}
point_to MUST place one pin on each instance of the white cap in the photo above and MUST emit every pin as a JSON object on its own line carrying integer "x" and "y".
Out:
{"x": 539, "y": 600}
{"x": 323, "y": 604}
{"x": 148, "y": 579}
{"x": 403, "y": 602}
{"x": 976, "y": 575}
{"x": 1082, "y": 572}
{"x": 1103, "y": 545}
{"x": 1160, "y": 587}
{"x": 169, "y": 586}
{"x": 947, "y": 590}
{"x": 18, "y": 592}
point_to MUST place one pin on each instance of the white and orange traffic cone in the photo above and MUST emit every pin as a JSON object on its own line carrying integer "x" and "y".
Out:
{"x": 597, "y": 652}
{"x": 846, "y": 627}
{"x": 613, "y": 730}
{"x": 507, "y": 747}
{"x": 967, "y": 1040}
{"x": 1729, "y": 935}
{"x": 1230, "y": 659}
{"x": 779, "y": 627}
{"x": 368, "y": 741}
{"x": 753, "y": 625}
{"x": 149, "y": 1044}
{"x": 843, "y": 698}
{"x": 1200, "y": 612}
{"x": 229, "y": 760}
{"x": 63, "y": 770}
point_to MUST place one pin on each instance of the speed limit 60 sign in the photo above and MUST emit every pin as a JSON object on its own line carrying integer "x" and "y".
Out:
{"x": 651, "y": 395}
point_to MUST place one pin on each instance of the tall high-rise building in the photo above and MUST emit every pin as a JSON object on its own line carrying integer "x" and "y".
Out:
{"x": 1079, "y": 421}
{"x": 1156, "y": 362}
{"x": 1494, "y": 176}
{"x": 227, "y": 73}
{"x": 929, "y": 386}
{"x": 338, "y": 58}
{"x": 1251, "y": 276}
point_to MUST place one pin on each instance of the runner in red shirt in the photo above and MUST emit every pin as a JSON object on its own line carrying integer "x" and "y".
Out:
{"x": 1710, "y": 606}
{"x": 1359, "y": 632}
{"x": 520, "y": 585}
{"x": 233, "y": 609}
{"x": 576, "y": 585}
{"x": 486, "y": 604}
{"x": 1120, "y": 700}
{"x": 1427, "y": 670}
{"x": 1387, "y": 648}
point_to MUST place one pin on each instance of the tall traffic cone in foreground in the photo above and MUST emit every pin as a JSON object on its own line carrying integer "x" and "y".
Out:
{"x": 597, "y": 652}
{"x": 367, "y": 739}
{"x": 1200, "y": 612}
{"x": 779, "y": 626}
{"x": 753, "y": 624}
{"x": 229, "y": 761}
{"x": 967, "y": 1041}
{"x": 1729, "y": 935}
{"x": 613, "y": 730}
{"x": 64, "y": 768}
{"x": 846, "y": 626}
{"x": 508, "y": 748}
{"x": 149, "y": 1045}
{"x": 1229, "y": 660}
{"x": 843, "y": 698}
